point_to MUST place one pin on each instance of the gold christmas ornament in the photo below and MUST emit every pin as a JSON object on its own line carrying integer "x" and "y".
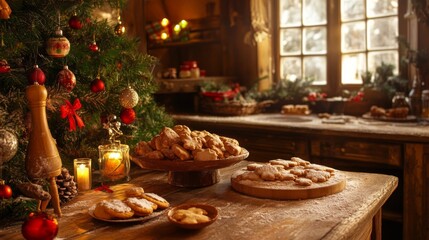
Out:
{"x": 128, "y": 98}
{"x": 119, "y": 29}
{"x": 8, "y": 145}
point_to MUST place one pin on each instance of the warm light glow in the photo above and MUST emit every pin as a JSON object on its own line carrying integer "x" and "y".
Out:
{"x": 164, "y": 36}
{"x": 165, "y": 22}
{"x": 113, "y": 164}
{"x": 183, "y": 24}
{"x": 177, "y": 28}
{"x": 83, "y": 177}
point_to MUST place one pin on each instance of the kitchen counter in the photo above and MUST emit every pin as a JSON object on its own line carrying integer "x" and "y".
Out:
{"x": 364, "y": 145}
{"x": 344, "y": 215}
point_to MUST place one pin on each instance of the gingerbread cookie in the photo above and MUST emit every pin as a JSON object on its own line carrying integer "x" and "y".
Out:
{"x": 303, "y": 181}
{"x": 285, "y": 163}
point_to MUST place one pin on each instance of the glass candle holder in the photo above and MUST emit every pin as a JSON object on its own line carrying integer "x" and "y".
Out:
{"x": 114, "y": 162}
{"x": 82, "y": 173}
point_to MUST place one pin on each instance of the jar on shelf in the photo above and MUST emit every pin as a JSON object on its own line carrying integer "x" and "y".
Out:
{"x": 185, "y": 71}
{"x": 425, "y": 105}
{"x": 400, "y": 100}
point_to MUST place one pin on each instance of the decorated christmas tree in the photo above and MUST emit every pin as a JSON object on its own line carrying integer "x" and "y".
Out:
{"x": 91, "y": 70}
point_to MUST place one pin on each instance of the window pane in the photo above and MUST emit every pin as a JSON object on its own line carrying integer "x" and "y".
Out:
{"x": 315, "y": 40}
{"x": 290, "y": 41}
{"x": 382, "y": 33}
{"x": 290, "y": 13}
{"x": 353, "y": 36}
{"x": 376, "y": 8}
{"x": 314, "y": 12}
{"x": 388, "y": 57}
{"x": 290, "y": 68}
{"x": 315, "y": 68}
{"x": 352, "y": 9}
{"x": 353, "y": 65}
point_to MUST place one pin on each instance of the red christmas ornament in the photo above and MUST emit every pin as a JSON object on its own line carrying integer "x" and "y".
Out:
{"x": 128, "y": 115}
{"x": 5, "y": 190}
{"x": 97, "y": 85}
{"x": 93, "y": 46}
{"x": 40, "y": 226}
{"x": 4, "y": 66}
{"x": 66, "y": 78}
{"x": 75, "y": 23}
{"x": 36, "y": 75}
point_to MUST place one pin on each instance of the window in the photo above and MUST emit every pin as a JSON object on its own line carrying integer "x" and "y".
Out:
{"x": 335, "y": 41}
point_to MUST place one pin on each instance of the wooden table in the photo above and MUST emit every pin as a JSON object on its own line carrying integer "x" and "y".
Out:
{"x": 354, "y": 213}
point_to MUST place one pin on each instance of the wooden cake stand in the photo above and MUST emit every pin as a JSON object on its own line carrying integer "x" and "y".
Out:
{"x": 190, "y": 173}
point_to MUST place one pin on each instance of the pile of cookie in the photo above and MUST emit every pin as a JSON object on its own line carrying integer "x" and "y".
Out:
{"x": 300, "y": 171}
{"x": 295, "y": 109}
{"x": 399, "y": 112}
{"x": 137, "y": 204}
{"x": 180, "y": 143}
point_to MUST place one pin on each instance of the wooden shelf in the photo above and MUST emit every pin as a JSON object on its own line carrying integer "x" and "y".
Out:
{"x": 182, "y": 44}
{"x": 188, "y": 85}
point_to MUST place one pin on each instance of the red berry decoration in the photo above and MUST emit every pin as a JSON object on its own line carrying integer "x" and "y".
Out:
{"x": 40, "y": 226}
{"x": 93, "y": 46}
{"x": 66, "y": 79}
{"x": 128, "y": 115}
{"x": 5, "y": 190}
{"x": 97, "y": 85}
{"x": 4, "y": 66}
{"x": 75, "y": 23}
{"x": 36, "y": 75}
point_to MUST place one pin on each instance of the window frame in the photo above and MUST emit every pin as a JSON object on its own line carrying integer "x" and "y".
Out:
{"x": 334, "y": 85}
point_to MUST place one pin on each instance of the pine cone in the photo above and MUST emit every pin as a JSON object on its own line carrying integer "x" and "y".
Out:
{"x": 67, "y": 188}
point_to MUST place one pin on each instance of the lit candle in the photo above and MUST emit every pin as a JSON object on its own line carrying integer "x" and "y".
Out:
{"x": 113, "y": 166}
{"x": 83, "y": 182}
{"x": 82, "y": 173}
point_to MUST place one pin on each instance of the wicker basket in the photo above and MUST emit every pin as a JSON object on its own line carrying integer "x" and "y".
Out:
{"x": 232, "y": 108}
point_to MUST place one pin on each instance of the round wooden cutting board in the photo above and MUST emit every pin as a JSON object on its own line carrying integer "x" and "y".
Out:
{"x": 287, "y": 190}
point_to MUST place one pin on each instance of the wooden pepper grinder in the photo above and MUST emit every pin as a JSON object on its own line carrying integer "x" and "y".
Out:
{"x": 43, "y": 159}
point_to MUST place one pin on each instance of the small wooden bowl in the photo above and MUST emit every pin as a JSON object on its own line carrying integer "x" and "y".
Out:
{"x": 212, "y": 213}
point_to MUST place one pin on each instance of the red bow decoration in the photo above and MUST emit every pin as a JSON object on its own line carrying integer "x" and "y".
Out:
{"x": 68, "y": 110}
{"x": 104, "y": 188}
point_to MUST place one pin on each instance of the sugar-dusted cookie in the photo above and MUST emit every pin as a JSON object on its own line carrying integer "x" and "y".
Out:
{"x": 158, "y": 200}
{"x": 117, "y": 209}
{"x": 134, "y": 192}
{"x": 100, "y": 212}
{"x": 303, "y": 181}
{"x": 317, "y": 175}
{"x": 320, "y": 167}
{"x": 140, "y": 206}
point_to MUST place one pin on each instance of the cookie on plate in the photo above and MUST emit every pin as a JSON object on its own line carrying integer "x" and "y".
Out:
{"x": 117, "y": 209}
{"x": 140, "y": 206}
{"x": 158, "y": 200}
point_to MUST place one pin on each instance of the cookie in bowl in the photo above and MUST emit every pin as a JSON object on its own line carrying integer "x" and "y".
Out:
{"x": 193, "y": 216}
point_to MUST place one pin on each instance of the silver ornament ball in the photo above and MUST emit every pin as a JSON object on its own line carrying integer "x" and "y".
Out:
{"x": 128, "y": 98}
{"x": 8, "y": 145}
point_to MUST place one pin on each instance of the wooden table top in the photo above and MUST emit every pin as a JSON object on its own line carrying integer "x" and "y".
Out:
{"x": 337, "y": 216}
